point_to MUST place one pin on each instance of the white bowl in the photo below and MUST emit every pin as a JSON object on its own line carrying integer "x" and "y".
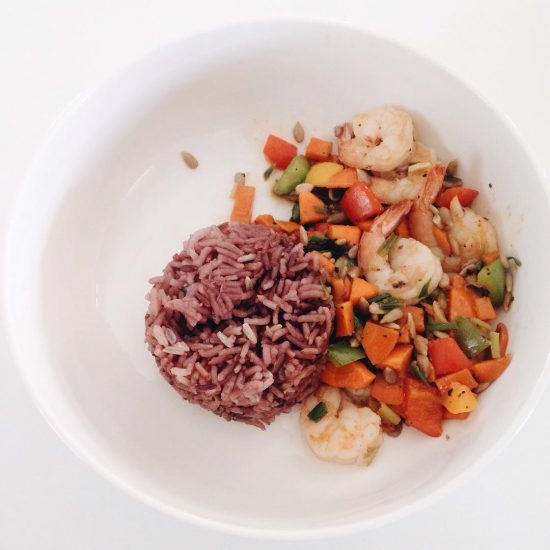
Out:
{"x": 108, "y": 200}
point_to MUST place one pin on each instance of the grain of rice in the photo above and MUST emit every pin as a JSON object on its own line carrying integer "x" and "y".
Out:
{"x": 298, "y": 132}
{"x": 411, "y": 325}
{"x": 304, "y": 238}
{"x": 179, "y": 348}
{"x": 225, "y": 340}
{"x": 189, "y": 159}
{"x": 440, "y": 334}
{"x": 246, "y": 258}
{"x": 391, "y": 316}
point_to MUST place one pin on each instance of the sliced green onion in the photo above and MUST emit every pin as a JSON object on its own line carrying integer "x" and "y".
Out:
{"x": 379, "y": 297}
{"x": 387, "y": 245}
{"x": 515, "y": 260}
{"x": 357, "y": 322}
{"x": 342, "y": 353}
{"x": 495, "y": 344}
{"x": 418, "y": 372}
{"x": 386, "y": 301}
{"x": 441, "y": 326}
{"x": 268, "y": 171}
{"x": 425, "y": 288}
{"x": 388, "y": 414}
{"x": 480, "y": 324}
{"x": 295, "y": 216}
{"x": 317, "y": 412}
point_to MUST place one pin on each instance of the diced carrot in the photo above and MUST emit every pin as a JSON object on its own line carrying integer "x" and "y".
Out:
{"x": 458, "y": 416}
{"x": 484, "y": 308}
{"x": 461, "y": 302}
{"x": 446, "y": 356}
{"x": 417, "y": 315}
{"x": 391, "y": 394}
{"x": 502, "y": 330}
{"x": 490, "y": 257}
{"x": 265, "y": 219}
{"x": 312, "y": 208}
{"x": 366, "y": 225}
{"x": 278, "y": 151}
{"x": 404, "y": 335}
{"x": 399, "y": 359}
{"x": 318, "y": 149}
{"x": 442, "y": 240}
{"x": 288, "y": 227}
{"x": 353, "y": 375}
{"x": 465, "y": 196}
{"x": 431, "y": 374}
{"x": 402, "y": 229}
{"x": 242, "y": 205}
{"x": 422, "y": 407}
{"x": 350, "y": 233}
{"x": 325, "y": 263}
{"x": 341, "y": 289}
{"x": 463, "y": 376}
{"x": 428, "y": 308}
{"x": 342, "y": 180}
{"x": 362, "y": 289}
{"x": 344, "y": 319}
{"x": 378, "y": 341}
{"x": 457, "y": 280}
{"x": 487, "y": 371}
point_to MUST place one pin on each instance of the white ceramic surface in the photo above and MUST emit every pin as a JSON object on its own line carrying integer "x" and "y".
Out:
{"x": 108, "y": 200}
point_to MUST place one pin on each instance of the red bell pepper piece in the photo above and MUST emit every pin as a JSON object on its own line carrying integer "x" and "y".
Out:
{"x": 359, "y": 203}
{"x": 446, "y": 356}
{"x": 422, "y": 407}
{"x": 465, "y": 196}
{"x": 279, "y": 152}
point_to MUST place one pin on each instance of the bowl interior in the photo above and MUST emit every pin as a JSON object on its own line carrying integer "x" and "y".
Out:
{"x": 109, "y": 200}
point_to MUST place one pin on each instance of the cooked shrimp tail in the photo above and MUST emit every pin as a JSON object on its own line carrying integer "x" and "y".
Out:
{"x": 389, "y": 219}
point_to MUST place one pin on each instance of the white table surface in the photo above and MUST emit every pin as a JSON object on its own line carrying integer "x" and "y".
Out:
{"x": 53, "y": 51}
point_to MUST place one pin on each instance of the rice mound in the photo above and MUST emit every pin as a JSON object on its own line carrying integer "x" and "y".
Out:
{"x": 239, "y": 322}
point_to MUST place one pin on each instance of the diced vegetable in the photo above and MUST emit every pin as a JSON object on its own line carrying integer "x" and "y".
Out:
{"x": 365, "y": 226}
{"x": 494, "y": 339}
{"x": 378, "y": 342}
{"x": 458, "y": 398}
{"x": 242, "y": 205}
{"x": 402, "y": 229}
{"x": 417, "y": 372}
{"x": 422, "y": 407}
{"x": 319, "y": 174}
{"x": 388, "y": 244}
{"x": 482, "y": 325}
{"x": 342, "y": 353}
{"x": 319, "y": 229}
{"x": 295, "y": 214}
{"x": 492, "y": 277}
{"x": 391, "y": 394}
{"x": 293, "y": 175}
{"x": 389, "y": 415}
{"x": 399, "y": 359}
{"x": 487, "y": 371}
{"x": 431, "y": 327}
{"x": 265, "y": 219}
{"x": 461, "y": 302}
{"x": 325, "y": 263}
{"x": 490, "y": 257}
{"x": 317, "y": 412}
{"x": 344, "y": 319}
{"x": 361, "y": 289}
{"x": 404, "y": 335}
{"x": 359, "y": 203}
{"x": 417, "y": 315}
{"x": 502, "y": 329}
{"x": 342, "y": 180}
{"x": 350, "y": 233}
{"x": 279, "y": 152}
{"x": 318, "y": 149}
{"x": 287, "y": 227}
{"x": 312, "y": 208}
{"x": 446, "y": 356}
{"x": 450, "y": 416}
{"x": 465, "y": 196}
{"x": 470, "y": 339}
{"x": 484, "y": 308}
{"x": 442, "y": 240}
{"x": 341, "y": 289}
{"x": 463, "y": 376}
{"x": 352, "y": 375}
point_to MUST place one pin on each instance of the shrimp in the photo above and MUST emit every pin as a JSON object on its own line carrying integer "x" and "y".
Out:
{"x": 421, "y": 216}
{"x": 409, "y": 265}
{"x": 346, "y": 434}
{"x": 390, "y": 191}
{"x": 471, "y": 235}
{"x": 384, "y": 140}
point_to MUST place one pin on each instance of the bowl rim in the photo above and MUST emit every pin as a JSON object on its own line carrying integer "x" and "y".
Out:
{"x": 103, "y": 468}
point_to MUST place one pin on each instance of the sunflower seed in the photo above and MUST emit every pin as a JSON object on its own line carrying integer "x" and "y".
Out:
{"x": 504, "y": 260}
{"x": 338, "y": 131}
{"x": 298, "y": 132}
{"x": 393, "y": 315}
{"x": 421, "y": 345}
{"x": 189, "y": 159}
{"x": 508, "y": 299}
{"x": 390, "y": 376}
{"x": 375, "y": 309}
{"x": 440, "y": 334}
{"x": 424, "y": 363}
{"x": 444, "y": 282}
{"x": 353, "y": 272}
{"x": 327, "y": 254}
{"x": 248, "y": 283}
{"x": 419, "y": 167}
{"x": 239, "y": 178}
{"x": 452, "y": 167}
{"x": 395, "y": 326}
{"x": 354, "y": 342}
{"x": 304, "y": 239}
{"x": 340, "y": 242}
{"x": 303, "y": 188}
{"x": 411, "y": 326}
{"x": 439, "y": 315}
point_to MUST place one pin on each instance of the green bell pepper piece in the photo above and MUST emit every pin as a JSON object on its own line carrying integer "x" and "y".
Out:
{"x": 469, "y": 337}
{"x": 294, "y": 174}
{"x": 492, "y": 278}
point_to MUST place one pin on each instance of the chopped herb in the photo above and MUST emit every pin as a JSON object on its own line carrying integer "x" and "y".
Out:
{"x": 268, "y": 171}
{"x": 317, "y": 412}
{"x": 357, "y": 322}
{"x": 322, "y": 244}
{"x": 515, "y": 260}
{"x": 425, "y": 288}
{"x": 379, "y": 297}
{"x": 295, "y": 216}
{"x": 386, "y": 301}
{"x": 454, "y": 179}
{"x": 342, "y": 353}
{"x": 387, "y": 245}
{"x": 418, "y": 373}
{"x": 441, "y": 326}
